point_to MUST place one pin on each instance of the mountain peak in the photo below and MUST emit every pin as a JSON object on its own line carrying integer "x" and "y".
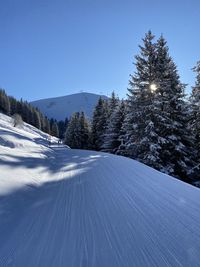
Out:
{"x": 64, "y": 106}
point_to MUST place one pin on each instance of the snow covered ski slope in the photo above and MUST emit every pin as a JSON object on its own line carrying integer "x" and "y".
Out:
{"x": 64, "y": 207}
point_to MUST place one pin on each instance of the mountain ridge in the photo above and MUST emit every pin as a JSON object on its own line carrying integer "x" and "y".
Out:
{"x": 64, "y": 106}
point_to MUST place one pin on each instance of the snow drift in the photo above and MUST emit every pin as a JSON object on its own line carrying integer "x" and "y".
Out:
{"x": 64, "y": 207}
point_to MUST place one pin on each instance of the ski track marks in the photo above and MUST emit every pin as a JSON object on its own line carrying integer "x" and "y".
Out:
{"x": 100, "y": 210}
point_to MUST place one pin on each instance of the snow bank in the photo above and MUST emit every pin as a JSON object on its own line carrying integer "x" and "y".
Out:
{"x": 18, "y": 145}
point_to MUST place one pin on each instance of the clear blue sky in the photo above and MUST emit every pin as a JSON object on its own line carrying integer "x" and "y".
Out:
{"x": 58, "y": 47}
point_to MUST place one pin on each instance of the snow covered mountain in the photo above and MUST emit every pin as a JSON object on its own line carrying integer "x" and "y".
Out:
{"x": 64, "y": 106}
{"x": 65, "y": 207}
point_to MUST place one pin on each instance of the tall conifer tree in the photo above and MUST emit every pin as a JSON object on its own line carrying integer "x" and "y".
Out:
{"x": 99, "y": 123}
{"x": 155, "y": 126}
{"x": 112, "y": 134}
{"x": 195, "y": 107}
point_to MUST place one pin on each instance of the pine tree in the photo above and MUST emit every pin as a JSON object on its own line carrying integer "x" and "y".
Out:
{"x": 55, "y": 130}
{"x": 25, "y": 112}
{"x": 113, "y": 131}
{"x": 194, "y": 123}
{"x": 36, "y": 119}
{"x": 31, "y": 119}
{"x": 155, "y": 125}
{"x": 99, "y": 123}
{"x": 42, "y": 119}
{"x": 66, "y": 122}
{"x": 72, "y": 135}
{"x": 19, "y": 107}
{"x": 122, "y": 149}
{"x": 112, "y": 104}
{"x": 109, "y": 107}
{"x": 13, "y": 105}
{"x": 177, "y": 151}
{"x": 140, "y": 101}
{"x": 84, "y": 131}
{"x": 47, "y": 128}
{"x": 62, "y": 129}
{"x": 195, "y": 107}
{"x": 77, "y": 133}
{"x": 4, "y": 102}
{"x": 51, "y": 123}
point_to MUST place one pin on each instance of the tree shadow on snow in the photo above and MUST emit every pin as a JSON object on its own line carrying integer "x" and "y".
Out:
{"x": 51, "y": 160}
{"x": 31, "y": 198}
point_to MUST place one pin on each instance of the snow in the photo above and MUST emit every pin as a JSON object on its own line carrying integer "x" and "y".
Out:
{"x": 61, "y": 107}
{"x": 65, "y": 207}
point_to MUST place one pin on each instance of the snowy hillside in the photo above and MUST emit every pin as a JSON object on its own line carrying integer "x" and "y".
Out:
{"x": 65, "y": 207}
{"x": 61, "y": 107}
{"x": 20, "y": 144}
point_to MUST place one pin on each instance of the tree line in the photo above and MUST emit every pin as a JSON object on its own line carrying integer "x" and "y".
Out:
{"x": 29, "y": 114}
{"x": 157, "y": 124}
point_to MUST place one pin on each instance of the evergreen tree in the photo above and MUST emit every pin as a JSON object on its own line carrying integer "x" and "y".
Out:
{"x": 77, "y": 133}
{"x": 51, "y": 123}
{"x": 84, "y": 131}
{"x": 140, "y": 104}
{"x": 36, "y": 119}
{"x": 66, "y": 122}
{"x": 4, "y": 102}
{"x": 13, "y": 105}
{"x": 112, "y": 104}
{"x": 113, "y": 131}
{"x": 72, "y": 132}
{"x": 25, "y": 112}
{"x": 42, "y": 120}
{"x": 195, "y": 107}
{"x": 19, "y": 107}
{"x": 194, "y": 123}
{"x": 47, "y": 128}
{"x": 177, "y": 151}
{"x": 99, "y": 123}
{"x": 122, "y": 149}
{"x": 156, "y": 131}
{"x": 109, "y": 107}
{"x": 62, "y": 129}
{"x": 31, "y": 119}
{"x": 55, "y": 130}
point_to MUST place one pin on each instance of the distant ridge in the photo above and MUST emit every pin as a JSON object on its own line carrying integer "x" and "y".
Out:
{"x": 64, "y": 106}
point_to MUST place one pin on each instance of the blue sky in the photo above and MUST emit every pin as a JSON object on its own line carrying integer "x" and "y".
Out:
{"x": 55, "y": 47}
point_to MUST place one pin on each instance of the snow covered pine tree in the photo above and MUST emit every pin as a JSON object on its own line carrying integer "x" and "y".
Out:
{"x": 156, "y": 131}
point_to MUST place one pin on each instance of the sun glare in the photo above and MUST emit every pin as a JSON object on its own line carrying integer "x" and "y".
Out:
{"x": 153, "y": 87}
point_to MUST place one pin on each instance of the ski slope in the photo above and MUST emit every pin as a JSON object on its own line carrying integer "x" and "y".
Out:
{"x": 65, "y": 207}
